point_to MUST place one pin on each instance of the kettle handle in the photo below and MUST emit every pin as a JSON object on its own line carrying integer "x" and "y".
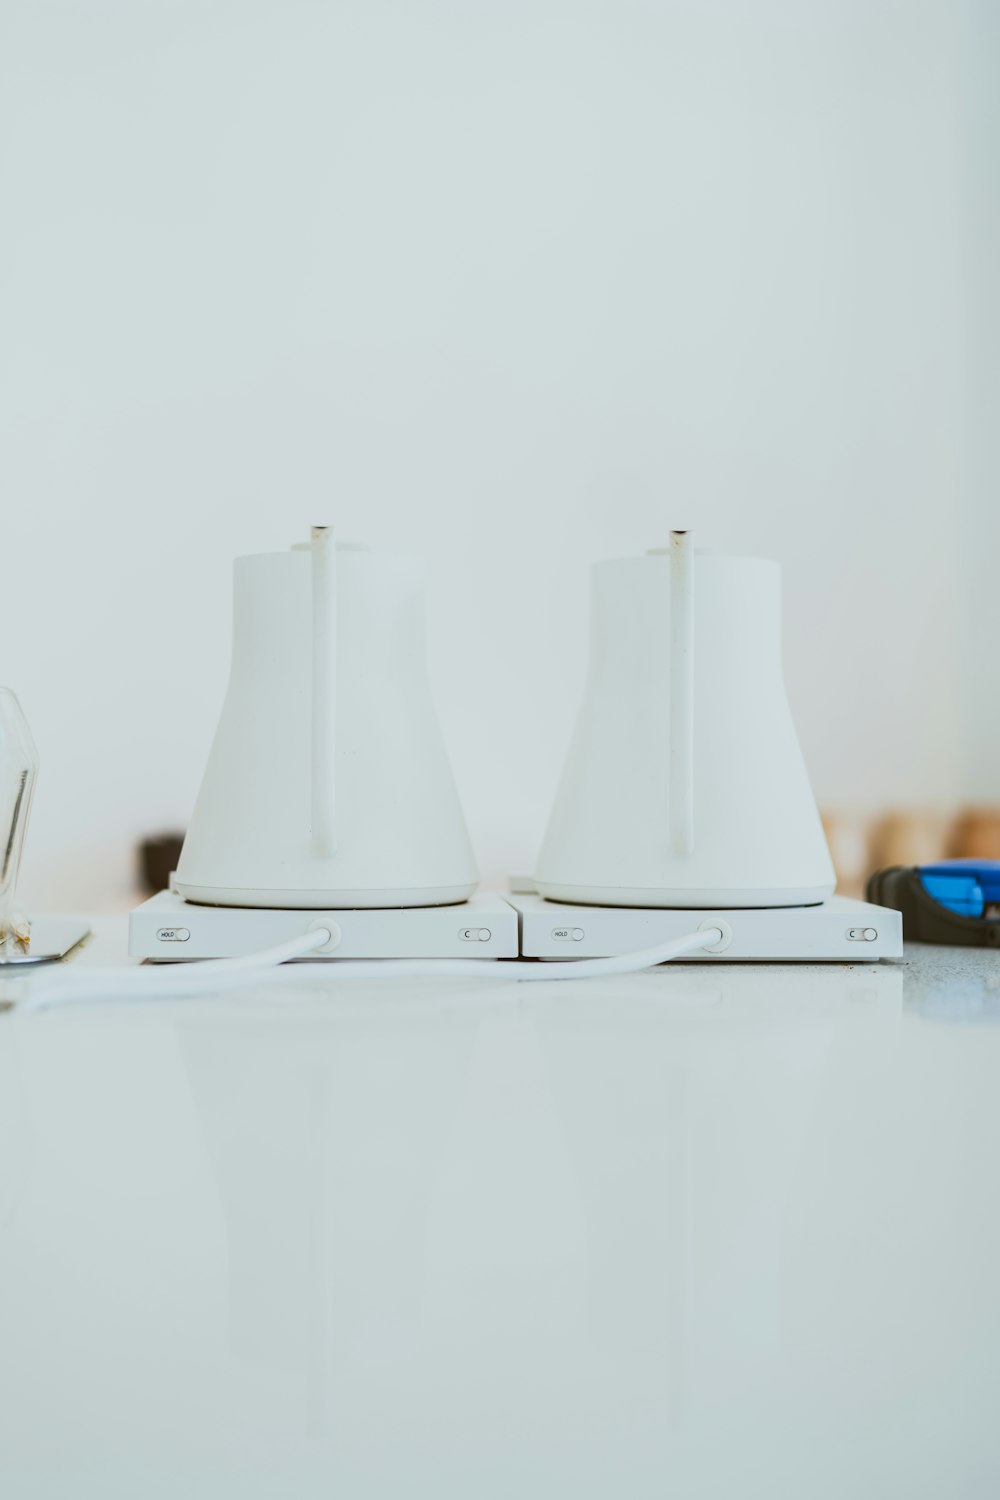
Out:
{"x": 324, "y": 690}
{"x": 682, "y": 692}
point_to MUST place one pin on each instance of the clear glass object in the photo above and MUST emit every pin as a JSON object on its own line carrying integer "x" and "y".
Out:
{"x": 18, "y": 773}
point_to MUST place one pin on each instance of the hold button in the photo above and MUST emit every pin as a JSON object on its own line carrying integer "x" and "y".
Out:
{"x": 173, "y": 934}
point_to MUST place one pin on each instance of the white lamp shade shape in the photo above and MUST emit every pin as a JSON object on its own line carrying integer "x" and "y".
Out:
{"x": 684, "y": 784}
{"x": 328, "y": 784}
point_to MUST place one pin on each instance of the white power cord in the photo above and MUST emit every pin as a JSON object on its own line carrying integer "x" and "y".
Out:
{"x": 70, "y": 984}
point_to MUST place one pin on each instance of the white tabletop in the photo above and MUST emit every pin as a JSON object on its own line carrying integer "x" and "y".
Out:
{"x": 710, "y": 1231}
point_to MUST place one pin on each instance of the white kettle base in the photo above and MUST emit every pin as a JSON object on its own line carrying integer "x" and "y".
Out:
{"x": 324, "y": 900}
{"x": 837, "y": 930}
{"x": 167, "y": 929}
{"x": 683, "y": 899}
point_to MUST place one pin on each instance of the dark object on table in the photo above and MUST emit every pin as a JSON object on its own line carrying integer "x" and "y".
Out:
{"x": 158, "y": 856}
{"x": 956, "y": 901}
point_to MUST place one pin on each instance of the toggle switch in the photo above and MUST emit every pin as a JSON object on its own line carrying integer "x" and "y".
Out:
{"x": 861, "y": 934}
{"x": 173, "y": 934}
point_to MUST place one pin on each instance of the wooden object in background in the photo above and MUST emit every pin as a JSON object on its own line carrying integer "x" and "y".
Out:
{"x": 158, "y": 856}
{"x": 910, "y": 836}
{"x": 848, "y": 835}
{"x": 976, "y": 834}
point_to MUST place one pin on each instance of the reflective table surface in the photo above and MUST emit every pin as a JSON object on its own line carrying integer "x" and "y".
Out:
{"x": 710, "y": 1231}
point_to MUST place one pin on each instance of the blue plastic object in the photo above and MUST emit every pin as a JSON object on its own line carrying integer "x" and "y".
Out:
{"x": 966, "y": 886}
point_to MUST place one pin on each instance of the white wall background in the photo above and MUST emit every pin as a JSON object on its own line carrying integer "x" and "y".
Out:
{"x": 513, "y": 286}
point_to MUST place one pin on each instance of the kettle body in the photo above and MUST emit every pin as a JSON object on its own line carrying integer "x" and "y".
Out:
{"x": 328, "y": 784}
{"x": 685, "y": 785}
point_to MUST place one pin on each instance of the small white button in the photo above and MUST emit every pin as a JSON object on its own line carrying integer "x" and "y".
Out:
{"x": 577, "y": 934}
{"x": 173, "y": 934}
{"x": 870, "y": 934}
{"x": 484, "y": 934}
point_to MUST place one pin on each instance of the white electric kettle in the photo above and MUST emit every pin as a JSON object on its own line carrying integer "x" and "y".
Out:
{"x": 684, "y": 784}
{"x": 328, "y": 784}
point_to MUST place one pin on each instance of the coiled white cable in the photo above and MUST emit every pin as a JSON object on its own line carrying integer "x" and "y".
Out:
{"x": 207, "y": 976}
